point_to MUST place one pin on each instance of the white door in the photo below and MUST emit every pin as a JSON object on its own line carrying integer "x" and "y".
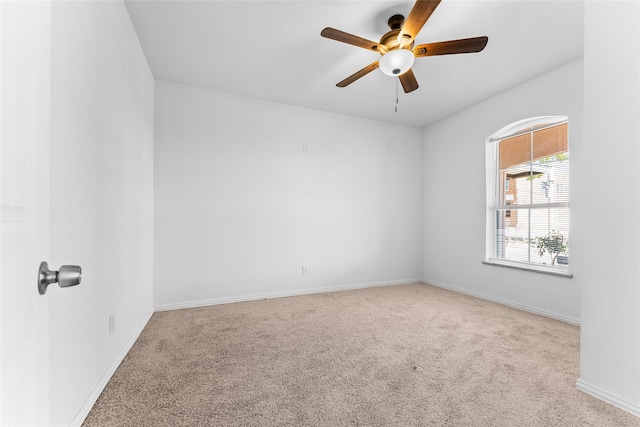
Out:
{"x": 25, "y": 73}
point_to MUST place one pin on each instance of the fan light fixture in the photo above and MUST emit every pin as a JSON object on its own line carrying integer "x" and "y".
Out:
{"x": 396, "y": 62}
{"x": 397, "y": 46}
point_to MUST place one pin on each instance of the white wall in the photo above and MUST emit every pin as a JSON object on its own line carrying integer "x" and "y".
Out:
{"x": 454, "y": 195}
{"x": 101, "y": 197}
{"x": 609, "y": 226}
{"x": 240, "y": 207}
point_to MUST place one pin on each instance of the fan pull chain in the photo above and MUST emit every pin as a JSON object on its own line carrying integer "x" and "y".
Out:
{"x": 397, "y": 95}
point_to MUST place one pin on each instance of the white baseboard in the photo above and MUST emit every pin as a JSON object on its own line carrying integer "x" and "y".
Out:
{"x": 607, "y": 397}
{"x": 253, "y": 297}
{"x": 508, "y": 303}
{"x": 97, "y": 390}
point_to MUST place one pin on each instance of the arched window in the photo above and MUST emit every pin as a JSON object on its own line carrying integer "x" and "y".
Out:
{"x": 528, "y": 195}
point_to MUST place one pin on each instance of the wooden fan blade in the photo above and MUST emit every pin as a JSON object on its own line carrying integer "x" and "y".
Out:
{"x": 355, "y": 76}
{"x": 341, "y": 36}
{"x": 421, "y": 11}
{"x": 409, "y": 82}
{"x": 475, "y": 44}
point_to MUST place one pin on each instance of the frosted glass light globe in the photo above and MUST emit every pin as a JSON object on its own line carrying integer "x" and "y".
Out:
{"x": 396, "y": 62}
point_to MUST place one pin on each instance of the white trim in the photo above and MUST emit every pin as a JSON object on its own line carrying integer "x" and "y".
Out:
{"x": 534, "y": 206}
{"x": 534, "y": 268}
{"x": 508, "y": 303}
{"x": 253, "y": 297}
{"x": 525, "y": 126}
{"x": 102, "y": 383}
{"x": 607, "y": 397}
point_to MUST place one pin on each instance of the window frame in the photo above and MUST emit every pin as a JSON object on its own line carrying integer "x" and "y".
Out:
{"x": 492, "y": 188}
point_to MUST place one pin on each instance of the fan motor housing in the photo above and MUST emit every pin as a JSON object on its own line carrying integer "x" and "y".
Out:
{"x": 390, "y": 39}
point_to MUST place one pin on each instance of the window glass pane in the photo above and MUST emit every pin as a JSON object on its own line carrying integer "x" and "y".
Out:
{"x": 551, "y": 157}
{"x": 516, "y": 188}
{"x": 514, "y": 170}
{"x": 512, "y": 235}
{"x": 550, "y": 235}
{"x": 550, "y": 141}
{"x": 537, "y": 235}
{"x": 552, "y": 186}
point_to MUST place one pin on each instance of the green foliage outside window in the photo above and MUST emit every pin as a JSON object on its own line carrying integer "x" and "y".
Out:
{"x": 553, "y": 243}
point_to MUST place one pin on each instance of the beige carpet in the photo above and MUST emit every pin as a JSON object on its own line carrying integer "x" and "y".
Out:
{"x": 412, "y": 355}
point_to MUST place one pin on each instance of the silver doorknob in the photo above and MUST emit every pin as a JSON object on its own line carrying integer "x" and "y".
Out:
{"x": 68, "y": 275}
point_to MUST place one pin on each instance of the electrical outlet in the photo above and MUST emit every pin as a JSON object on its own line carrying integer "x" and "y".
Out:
{"x": 112, "y": 323}
{"x": 305, "y": 270}
{"x": 306, "y": 146}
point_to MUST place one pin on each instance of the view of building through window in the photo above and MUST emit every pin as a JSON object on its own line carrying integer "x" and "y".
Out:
{"x": 531, "y": 207}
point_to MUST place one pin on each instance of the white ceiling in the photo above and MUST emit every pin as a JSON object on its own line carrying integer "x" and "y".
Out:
{"x": 273, "y": 50}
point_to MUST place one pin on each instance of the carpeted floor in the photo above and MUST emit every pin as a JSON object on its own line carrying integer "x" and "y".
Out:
{"x": 411, "y": 355}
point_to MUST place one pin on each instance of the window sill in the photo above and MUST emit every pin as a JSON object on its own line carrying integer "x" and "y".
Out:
{"x": 533, "y": 268}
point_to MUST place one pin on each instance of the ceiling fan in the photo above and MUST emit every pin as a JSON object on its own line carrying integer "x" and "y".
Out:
{"x": 397, "y": 46}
